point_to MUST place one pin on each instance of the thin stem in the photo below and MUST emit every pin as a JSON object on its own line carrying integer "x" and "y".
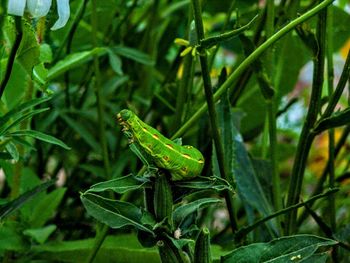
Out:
{"x": 344, "y": 77}
{"x": 227, "y": 21}
{"x": 331, "y": 142}
{"x": 319, "y": 186}
{"x": 101, "y": 124}
{"x": 249, "y": 60}
{"x": 12, "y": 56}
{"x": 246, "y": 230}
{"x": 212, "y": 113}
{"x": 185, "y": 83}
{"x": 271, "y": 113}
{"x": 306, "y": 137}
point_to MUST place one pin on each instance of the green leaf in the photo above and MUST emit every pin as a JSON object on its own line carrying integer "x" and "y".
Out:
{"x": 183, "y": 211}
{"x": 285, "y": 249}
{"x": 12, "y": 150}
{"x": 40, "y": 235}
{"x": 120, "y": 185}
{"x": 12, "y": 206}
{"x": 40, "y": 136}
{"x": 204, "y": 182}
{"x": 115, "y": 62}
{"x": 21, "y": 108}
{"x": 124, "y": 248}
{"x": 11, "y": 238}
{"x": 40, "y": 73}
{"x": 28, "y": 52}
{"x": 72, "y": 61}
{"x": 83, "y": 132}
{"x": 134, "y": 54}
{"x": 238, "y": 163}
{"x": 45, "y": 208}
{"x": 113, "y": 213}
{"x": 20, "y": 119}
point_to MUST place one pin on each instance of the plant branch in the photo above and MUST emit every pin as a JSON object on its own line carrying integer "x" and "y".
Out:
{"x": 307, "y": 136}
{"x": 212, "y": 113}
{"x": 249, "y": 60}
{"x": 246, "y": 230}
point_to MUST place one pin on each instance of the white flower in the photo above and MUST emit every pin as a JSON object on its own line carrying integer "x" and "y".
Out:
{"x": 40, "y": 8}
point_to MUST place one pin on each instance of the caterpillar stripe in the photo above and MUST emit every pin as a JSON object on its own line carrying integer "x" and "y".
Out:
{"x": 183, "y": 162}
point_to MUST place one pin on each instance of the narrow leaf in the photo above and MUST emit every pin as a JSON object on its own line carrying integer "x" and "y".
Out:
{"x": 40, "y": 136}
{"x": 83, "y": 132}
{"x": 72, "y": 61}
{"x": 20, "y": 119}
{"x": 133, "y": 54}
{"x": 20, "y": 108}
{"x": 120, "y": 185}
{"x": 12, "y": 206}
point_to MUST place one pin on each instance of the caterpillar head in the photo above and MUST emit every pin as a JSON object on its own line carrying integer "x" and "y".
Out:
{"x": 123, "y": 116}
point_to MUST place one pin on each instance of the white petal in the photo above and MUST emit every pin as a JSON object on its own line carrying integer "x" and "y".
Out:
{"x": 38, "y": 8}
{"x": 63, "y": 14}
{"x": 16, "y": 7}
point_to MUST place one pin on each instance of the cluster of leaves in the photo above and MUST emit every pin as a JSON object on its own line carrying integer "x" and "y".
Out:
{"x": 60, "y": 91}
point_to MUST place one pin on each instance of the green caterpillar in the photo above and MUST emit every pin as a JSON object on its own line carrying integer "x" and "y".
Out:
{"x": 183, "y": 162}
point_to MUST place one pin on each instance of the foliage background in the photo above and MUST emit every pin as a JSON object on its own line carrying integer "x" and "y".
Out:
{"x": 128, "y": 59}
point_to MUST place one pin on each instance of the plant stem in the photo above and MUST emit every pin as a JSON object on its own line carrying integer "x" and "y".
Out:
{"x": 306, "y": 137}
{"x": 101, "y": 124}
{"x": 249, "y": 60}
{"x": 319, "y": 186}
{"x": 271, "y": 113}
{"x": 185, "y": 83}
{"x": 246, "y": 230}
{"x": 212, "y": 113}
{"x": 344, "y": 77}
{"x": 331, "y": 142}
{"x": 12, "y": 56}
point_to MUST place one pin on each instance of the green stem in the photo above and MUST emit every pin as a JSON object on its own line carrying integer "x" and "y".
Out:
{"x": 212, "y": 113}
{"x": 185, "y": 83}
{"x": 246, "y": 230}
{"x": 306, "y": 137}
{"x": 12, "y": 56}
{"x": 271, "y": 112}
{"x": 330, "y": 74}
{"x": 319, "y": 186}
{"x": 227, "y": 21}
{"x": 344, "y": 77}
{"x": 249, "y": 60}
{"x": 101, "y": 124}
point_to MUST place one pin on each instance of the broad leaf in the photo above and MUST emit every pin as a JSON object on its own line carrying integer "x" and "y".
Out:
{"x": 285, "y": 249}
{"x": 40, "y": 235}
{"x": 113, "y": 213}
